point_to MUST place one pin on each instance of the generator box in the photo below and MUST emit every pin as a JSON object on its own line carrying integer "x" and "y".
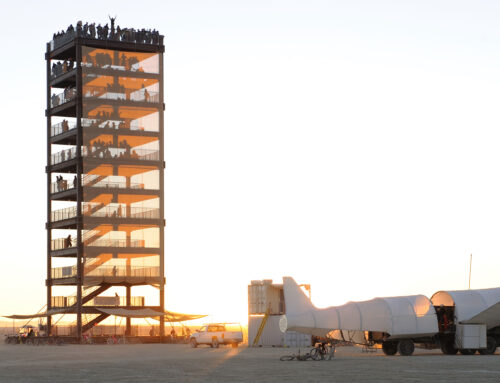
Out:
{"x": 470, "y": 336}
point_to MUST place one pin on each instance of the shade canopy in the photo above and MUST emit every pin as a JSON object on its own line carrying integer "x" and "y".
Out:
{"x": 405, "y": 316}
{"x": 472, "y": 306}
{"x": 170, "y": 316}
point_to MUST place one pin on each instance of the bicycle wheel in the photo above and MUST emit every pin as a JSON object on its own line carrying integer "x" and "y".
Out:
{"x": 316, "y": 354}
{"x": 287, "y": 358}
{"x": 304, "y": 357}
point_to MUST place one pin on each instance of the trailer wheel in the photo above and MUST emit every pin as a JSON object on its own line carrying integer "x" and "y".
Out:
{"x": 468, "y": 351}
{"x": 491, "y": 346}
{"x": 406, "y": 347}
{"x": 448, "y": 347}
{"x": 390, "y": 348}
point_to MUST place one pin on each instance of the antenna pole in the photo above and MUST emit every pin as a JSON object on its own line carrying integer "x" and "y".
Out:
{"x": 470, "y": 269}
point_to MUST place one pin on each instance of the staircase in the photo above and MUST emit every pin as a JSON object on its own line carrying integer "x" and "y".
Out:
{"x": 90, "y": 180}
{"x": 93, "y": 235}
{"x": 94, "y": 263}
{"x": 261, "y": 327}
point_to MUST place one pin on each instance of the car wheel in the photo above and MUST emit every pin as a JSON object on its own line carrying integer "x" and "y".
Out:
{"x": 215, "y": 343}
{"x": 193, "y": 342}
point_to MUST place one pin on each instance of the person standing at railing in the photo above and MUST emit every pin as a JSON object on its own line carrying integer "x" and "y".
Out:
{"x": 68, "y": 241}
{"x": 75, "y": 182}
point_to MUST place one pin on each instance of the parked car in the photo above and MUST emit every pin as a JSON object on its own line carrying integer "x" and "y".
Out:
{"x": 215, "y": 334}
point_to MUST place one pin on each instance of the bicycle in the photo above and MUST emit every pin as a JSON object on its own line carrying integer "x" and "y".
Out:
{"x": 116, "y": 340}
{"x": 298, "y": 357}
{"x": 323, "y": 351}
{"x": 87, "y": 339}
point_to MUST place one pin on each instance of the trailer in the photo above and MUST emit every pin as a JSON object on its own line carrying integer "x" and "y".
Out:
{"x": 468, "y": 320}
{"x": 465, "y": 321}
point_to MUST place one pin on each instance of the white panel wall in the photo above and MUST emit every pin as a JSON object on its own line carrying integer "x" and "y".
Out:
{"x": 272, "y": 335}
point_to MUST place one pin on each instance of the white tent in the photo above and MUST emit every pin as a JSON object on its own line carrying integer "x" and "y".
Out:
{"x": 472, "y": 306}
{"x": 407, "y": 316}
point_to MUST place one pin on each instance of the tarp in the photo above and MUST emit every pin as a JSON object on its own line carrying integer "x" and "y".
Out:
{"x": 149, "y": 313}
{"x": 406, "y": 316}
{"x": 133, "y": 313}
{"x": 40, "y": 315}
{"x": 469, "y": 303}
{"x": 490, "y": 317}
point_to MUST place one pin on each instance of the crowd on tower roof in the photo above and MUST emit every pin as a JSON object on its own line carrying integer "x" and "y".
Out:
{"x": 106, "y": 32}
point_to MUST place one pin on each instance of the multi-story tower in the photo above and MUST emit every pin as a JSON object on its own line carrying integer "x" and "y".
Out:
{"x": 105, "y": 165}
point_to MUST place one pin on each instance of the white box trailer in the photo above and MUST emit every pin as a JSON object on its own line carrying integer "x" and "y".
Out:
{"x": 470, "y": 336}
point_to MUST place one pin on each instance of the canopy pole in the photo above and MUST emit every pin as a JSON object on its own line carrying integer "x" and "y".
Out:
{"x": 470, "y": 269}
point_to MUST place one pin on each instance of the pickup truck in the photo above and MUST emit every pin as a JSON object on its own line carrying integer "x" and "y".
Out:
{"x": 214, "y": 334}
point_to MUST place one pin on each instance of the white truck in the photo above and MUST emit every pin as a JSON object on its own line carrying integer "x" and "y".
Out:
{"x": 214, "y": 334}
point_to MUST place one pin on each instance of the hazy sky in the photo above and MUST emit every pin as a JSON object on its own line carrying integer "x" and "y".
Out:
{"x": 353, "y": 145}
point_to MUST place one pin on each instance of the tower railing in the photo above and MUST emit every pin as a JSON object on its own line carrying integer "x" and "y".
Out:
{"x": 107, "y": 271}
{"x": 63, "y": 97}
{"x": 63, "y": 185}
{"x": 106, "y": 211}
{"x": 106, "y": 152}
{"x": 120, "y": 93}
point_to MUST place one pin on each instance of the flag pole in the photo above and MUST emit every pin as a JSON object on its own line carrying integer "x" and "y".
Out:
{"x": 470, "y": 269}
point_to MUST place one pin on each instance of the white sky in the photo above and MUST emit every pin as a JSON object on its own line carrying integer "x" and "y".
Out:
{"x": 352, "y": 145}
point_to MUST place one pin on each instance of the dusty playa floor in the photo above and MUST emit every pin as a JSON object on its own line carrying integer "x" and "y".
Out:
{"x": 180, "y": 363}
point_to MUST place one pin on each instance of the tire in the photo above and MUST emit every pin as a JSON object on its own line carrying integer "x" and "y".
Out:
{"x": 468, "y": 351}
{"x": 215, "y": 343}
{"x": 406, "y": 347}
{"x": 193, "y": 343}
{"x": 316, "y": 354}
{"x": 390, "y": 348}
{"x": 448, "y": 347}
{"x": 491, "y": 346}
{"x": 110, "y": 341}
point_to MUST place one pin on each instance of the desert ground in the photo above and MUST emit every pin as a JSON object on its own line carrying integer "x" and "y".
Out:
{"x": 181, "y": 363}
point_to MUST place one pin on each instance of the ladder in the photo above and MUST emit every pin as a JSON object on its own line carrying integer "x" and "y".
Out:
{"x": 261, "y": 327}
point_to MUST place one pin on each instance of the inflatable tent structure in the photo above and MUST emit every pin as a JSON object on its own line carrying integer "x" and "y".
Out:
{"x": 454, "y": 321}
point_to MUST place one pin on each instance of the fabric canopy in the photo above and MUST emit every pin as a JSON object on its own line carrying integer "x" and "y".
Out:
{"x": 397, "y": 316}
{"x": 469, "y": 303}
{"x": 39, "y": 315}
{"x": 117, "y": 311}
{"x": 149, "y": 313}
